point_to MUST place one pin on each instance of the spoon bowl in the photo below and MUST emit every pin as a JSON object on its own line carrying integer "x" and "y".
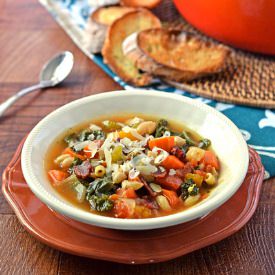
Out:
{"x": 57, "y": 68}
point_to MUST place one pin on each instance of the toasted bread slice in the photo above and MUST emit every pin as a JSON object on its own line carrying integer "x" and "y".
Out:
{"x": 131, "y": 22}
{"x": 174, "y": 54}
{"x": 98, "y": 24}
{"x": 140, "y": 3}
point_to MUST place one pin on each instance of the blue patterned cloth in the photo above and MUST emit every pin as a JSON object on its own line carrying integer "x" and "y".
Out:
{"x": 256, "y": 125}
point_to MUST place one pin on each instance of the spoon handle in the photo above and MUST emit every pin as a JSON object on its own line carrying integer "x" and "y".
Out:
{"x": 7, "y": 103}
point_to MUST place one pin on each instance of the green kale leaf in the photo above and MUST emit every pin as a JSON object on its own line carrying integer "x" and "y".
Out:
{"x": 101, "y": 203}
{"x": 189, "y": 140}
{"x": 189, "y": 188}
{"x": 162, "y": 127}
{"x": 71, "y": 139}
{"x": 100, "y": 186}
{"x": 204, "y": 143}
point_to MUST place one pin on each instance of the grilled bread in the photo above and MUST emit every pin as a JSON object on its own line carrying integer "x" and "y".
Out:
{"x": 140, "y": 3}
{"x": 174, "y": 54}
{"x": 124, "y": 67}
{"x": 98, "y": 24}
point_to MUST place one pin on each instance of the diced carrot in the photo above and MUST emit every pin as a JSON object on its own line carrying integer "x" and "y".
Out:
{"x": 165, "y": 143}
{"x": 170, "y": 182}
{"x": 57, "y": 175}
{"x": 211, "y": 159}
{"x": 69, "y": 151}
{"x": 171, "y": 197}
{"x": 172, "y": 162}
{"x": 130, "y": 193}
{"x": 123, "y": 134}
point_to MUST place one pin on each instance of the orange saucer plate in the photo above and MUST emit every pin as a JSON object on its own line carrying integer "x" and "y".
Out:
{"x": 131, "y": 247}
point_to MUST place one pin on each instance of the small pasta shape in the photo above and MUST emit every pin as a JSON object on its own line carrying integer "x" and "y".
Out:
{"x": 132, "y": 184}
{"x": 60, "y": 158}
{"x": 100, "y": 171}
{"x": 210, "y": 179}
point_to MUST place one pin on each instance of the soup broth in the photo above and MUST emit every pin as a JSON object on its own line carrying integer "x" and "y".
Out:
{"x": 132, "y": 166}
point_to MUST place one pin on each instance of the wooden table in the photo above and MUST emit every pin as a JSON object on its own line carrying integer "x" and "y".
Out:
{"x": 29, "y": 36}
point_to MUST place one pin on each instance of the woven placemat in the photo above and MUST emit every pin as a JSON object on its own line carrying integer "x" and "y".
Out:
{"x": 249, "y": 79}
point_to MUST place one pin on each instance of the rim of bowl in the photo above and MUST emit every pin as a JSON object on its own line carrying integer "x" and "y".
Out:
{"x": 131, "y": 224}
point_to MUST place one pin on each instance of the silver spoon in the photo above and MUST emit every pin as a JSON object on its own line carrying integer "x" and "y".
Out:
{"x": 52, "y": 73}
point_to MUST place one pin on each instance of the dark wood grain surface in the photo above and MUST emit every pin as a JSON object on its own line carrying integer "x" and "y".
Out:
{"x": 28, "y": 37}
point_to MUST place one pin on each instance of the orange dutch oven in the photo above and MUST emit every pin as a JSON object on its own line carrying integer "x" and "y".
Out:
{"x": 246, "y": 24}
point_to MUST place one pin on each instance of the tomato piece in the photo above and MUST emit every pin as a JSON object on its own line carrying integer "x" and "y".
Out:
{"x": 121, "y": 209}
{"x": 170, "y": 182}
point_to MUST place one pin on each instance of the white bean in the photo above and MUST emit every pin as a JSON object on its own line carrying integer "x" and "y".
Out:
{"x": 179, "y": 141}
{"x": 191, "y": 200}
{"x": 155, "y": 187}
{"x": 60, "y": 158}
{"x": 195, "y": 153}
{"x": 146, "y": 127}
{"x": 67, "y": 162}
{"x": 163, "y": 203}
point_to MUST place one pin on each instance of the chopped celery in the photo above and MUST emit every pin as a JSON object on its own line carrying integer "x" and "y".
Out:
{"x": 117, "y": 154}
{"x": 71, "y": 180}
{"x": 81, "y": 191}
{"x": 77, "y": 186}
